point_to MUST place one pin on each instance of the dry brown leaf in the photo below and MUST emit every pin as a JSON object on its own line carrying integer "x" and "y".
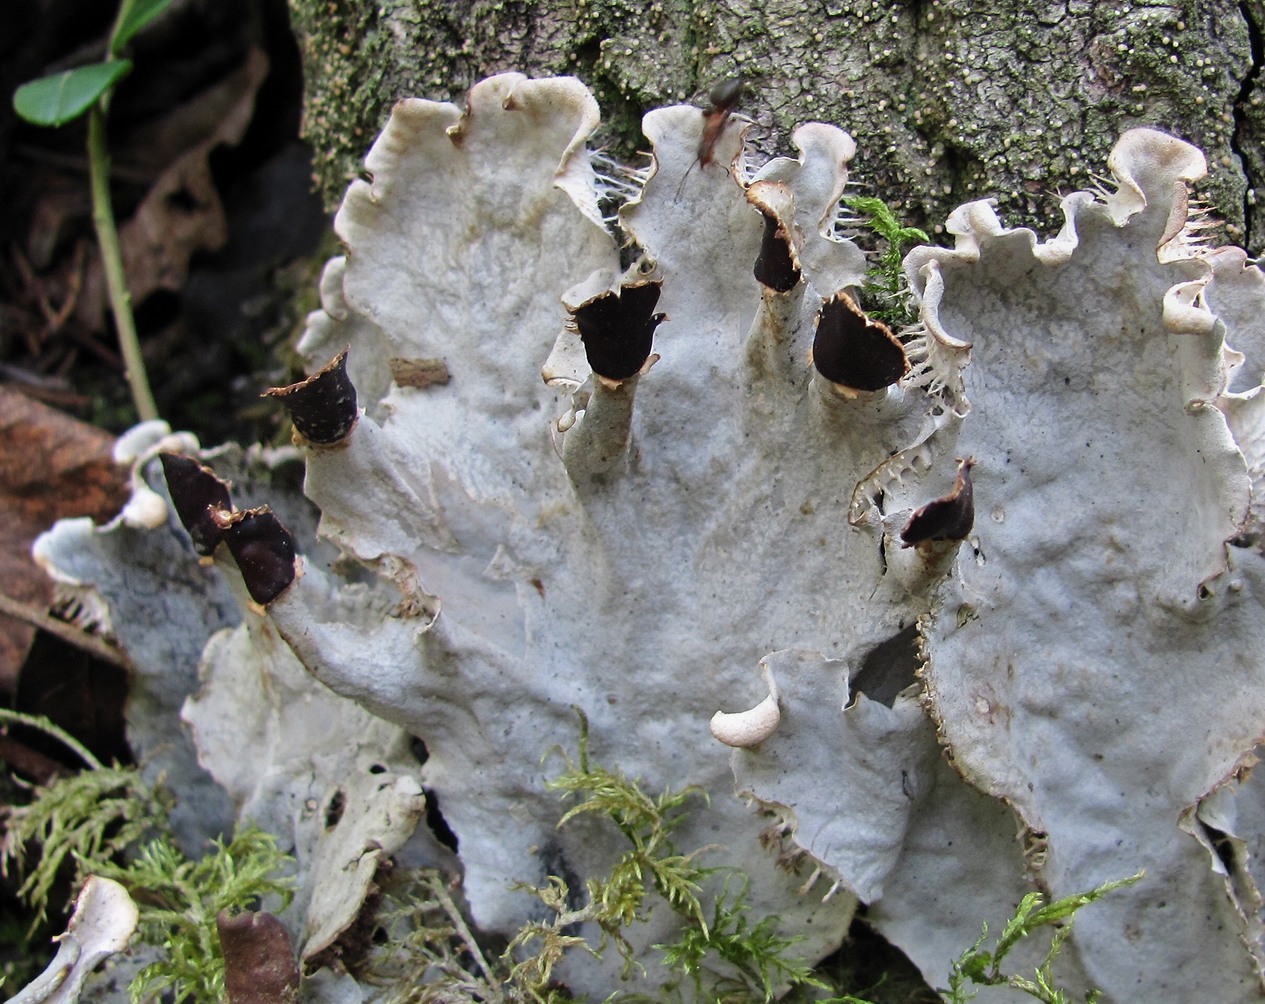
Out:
{"x": 51, "y": 466}
{"x": 182, "y": 213}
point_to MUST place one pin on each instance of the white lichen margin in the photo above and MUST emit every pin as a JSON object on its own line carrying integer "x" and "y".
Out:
{"x": 102, "y": 924}
{"x": 746, "y": 729}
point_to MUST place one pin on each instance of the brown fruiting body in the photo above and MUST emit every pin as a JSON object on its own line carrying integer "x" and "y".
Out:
{"x": 854, "y": 351}
{"x": 195, "y": 490}
{"x": 949, "y": 518}
{"x": 259, "y": 963}
{"x": 775, "y": 265}
{"x": 617, "y": 329}
{"x": 262, "y": 548}
{"x": 322, "y": 407}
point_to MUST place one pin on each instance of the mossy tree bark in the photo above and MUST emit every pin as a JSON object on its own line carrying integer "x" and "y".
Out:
{"x": 948, "y": 100}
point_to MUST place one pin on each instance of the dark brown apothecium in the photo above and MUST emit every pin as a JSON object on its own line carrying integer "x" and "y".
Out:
{"x": 196, "y": 490}
{"x": 617, "y": 329}
{"x": 855, "y": 351}
{"x": 775, "y": 265}
{"x": 259, "y": 963}
{"x": 322, "y": 407}
{"x": 262, "y": 548}
{"x": 949, "y": 518}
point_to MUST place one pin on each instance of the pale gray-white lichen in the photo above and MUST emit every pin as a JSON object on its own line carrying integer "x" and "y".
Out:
{"x": 1052, "y": 481}
{"x": 101, "y": 926}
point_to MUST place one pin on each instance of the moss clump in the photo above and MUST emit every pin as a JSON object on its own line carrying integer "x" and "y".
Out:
{"x": 106, "y": 821}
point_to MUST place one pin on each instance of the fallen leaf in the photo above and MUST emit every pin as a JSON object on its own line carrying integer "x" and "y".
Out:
{"x": 182, "y": 213}
{"x": 51, "y": 466}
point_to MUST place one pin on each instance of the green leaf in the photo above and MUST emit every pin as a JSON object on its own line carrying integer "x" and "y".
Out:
{"x": 63, "y": 97}
{"x": 135, "y": 15}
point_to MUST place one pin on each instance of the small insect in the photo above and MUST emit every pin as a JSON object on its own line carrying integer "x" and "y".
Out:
{"x": 723, "y": 98}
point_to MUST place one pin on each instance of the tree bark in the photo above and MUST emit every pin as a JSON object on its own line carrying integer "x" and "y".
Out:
{"x": 949, "y": 100}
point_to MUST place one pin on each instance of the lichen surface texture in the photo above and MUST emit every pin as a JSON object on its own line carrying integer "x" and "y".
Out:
{"x": 979, "y": 599}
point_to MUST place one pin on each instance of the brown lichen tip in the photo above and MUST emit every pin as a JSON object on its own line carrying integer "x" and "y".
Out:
{"x": 947, "y": 518}
{"x": 776, "y": 266}
{"x": 322, "y": 407}
{"x": 195, "y": 491}
{"x": 854, "y": 351}
{"x": 259, "y": 963}
{"x": 617, "y": 329}
{"x": 262, "y": 548}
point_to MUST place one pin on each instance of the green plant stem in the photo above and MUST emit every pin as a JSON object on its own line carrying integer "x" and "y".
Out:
{"x": 112, "y": 259}
{"x": 48, "y": 728}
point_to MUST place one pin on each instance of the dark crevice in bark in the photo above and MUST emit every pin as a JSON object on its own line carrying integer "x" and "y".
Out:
{"x": 1242, "y": 127}
{"x": 958, "y": 166}
{"x": 586, "y": 61}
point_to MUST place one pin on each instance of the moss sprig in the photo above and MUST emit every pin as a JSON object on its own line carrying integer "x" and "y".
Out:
{"x": 77, "y": 821}
{"x": 885, "y": 291}
{"x": 724, "y": 953}
{"x": 432, "y": 955}
{"x": 179, "y": 899}
{"x": 108, "y": 821}
{"x": 756, "y": 951}
{"x": 647, "y": 823}
{"x": 979, "y": 967}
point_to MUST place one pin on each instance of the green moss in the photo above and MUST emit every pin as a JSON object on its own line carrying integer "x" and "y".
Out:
{"x": 90, "y": 822}
{"x": 721, "y": 952}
